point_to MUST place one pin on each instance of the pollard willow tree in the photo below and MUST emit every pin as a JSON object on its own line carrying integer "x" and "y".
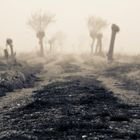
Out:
{"x": 95, "y": 26}
{"x": 115, "y": 29}
{"x": 9, "y": 42}
{"x": 39, "y": 23}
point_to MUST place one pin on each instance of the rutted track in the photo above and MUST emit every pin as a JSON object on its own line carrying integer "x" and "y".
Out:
{"x": 79, "y": 107}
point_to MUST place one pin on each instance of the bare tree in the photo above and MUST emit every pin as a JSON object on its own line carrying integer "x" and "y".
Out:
{"x": 39, "y": 23}
{"x": 58, "y": 38}
{"x": 95, "y": 25}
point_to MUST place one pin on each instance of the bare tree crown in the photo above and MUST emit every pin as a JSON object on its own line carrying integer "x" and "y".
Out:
{"x": 39, "y": 22}
{"x": 95, "y": 25}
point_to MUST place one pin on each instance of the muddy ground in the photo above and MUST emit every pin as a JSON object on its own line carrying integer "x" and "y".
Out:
{"x": 73, "y": 102}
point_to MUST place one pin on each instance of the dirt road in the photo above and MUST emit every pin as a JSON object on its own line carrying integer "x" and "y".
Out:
{"x": 70, "y": 103}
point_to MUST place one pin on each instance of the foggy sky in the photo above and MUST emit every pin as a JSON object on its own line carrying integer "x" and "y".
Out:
{"x": 71, "y": 16}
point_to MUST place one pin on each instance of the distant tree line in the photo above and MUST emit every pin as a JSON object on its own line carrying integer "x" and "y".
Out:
{"x": 39, "y": 23}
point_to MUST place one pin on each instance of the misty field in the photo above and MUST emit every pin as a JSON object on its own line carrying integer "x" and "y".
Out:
{"x": 74, "y": 98}
{"x": 69, "y": 70}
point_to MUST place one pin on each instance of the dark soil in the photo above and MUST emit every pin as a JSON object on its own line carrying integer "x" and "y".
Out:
{"x": 79, "y": 108}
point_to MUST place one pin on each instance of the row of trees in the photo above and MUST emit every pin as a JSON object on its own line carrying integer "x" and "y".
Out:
{"x": 96, "y": 26}
{"x": 39, "y": 23}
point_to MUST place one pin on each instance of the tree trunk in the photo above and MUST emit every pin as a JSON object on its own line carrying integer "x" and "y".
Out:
{"x": 111, "y": 48}
{"x": 51, "y": 47}
{"x": 115, "y": 29}
{"x": 92, "y": 45}
{"x": 41, "y": 47}
{"x": 6, "y": 54}
{"x": 97, "y": 47}
{"x": 100, "y": 46}
{"x": 11, "y": 48}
